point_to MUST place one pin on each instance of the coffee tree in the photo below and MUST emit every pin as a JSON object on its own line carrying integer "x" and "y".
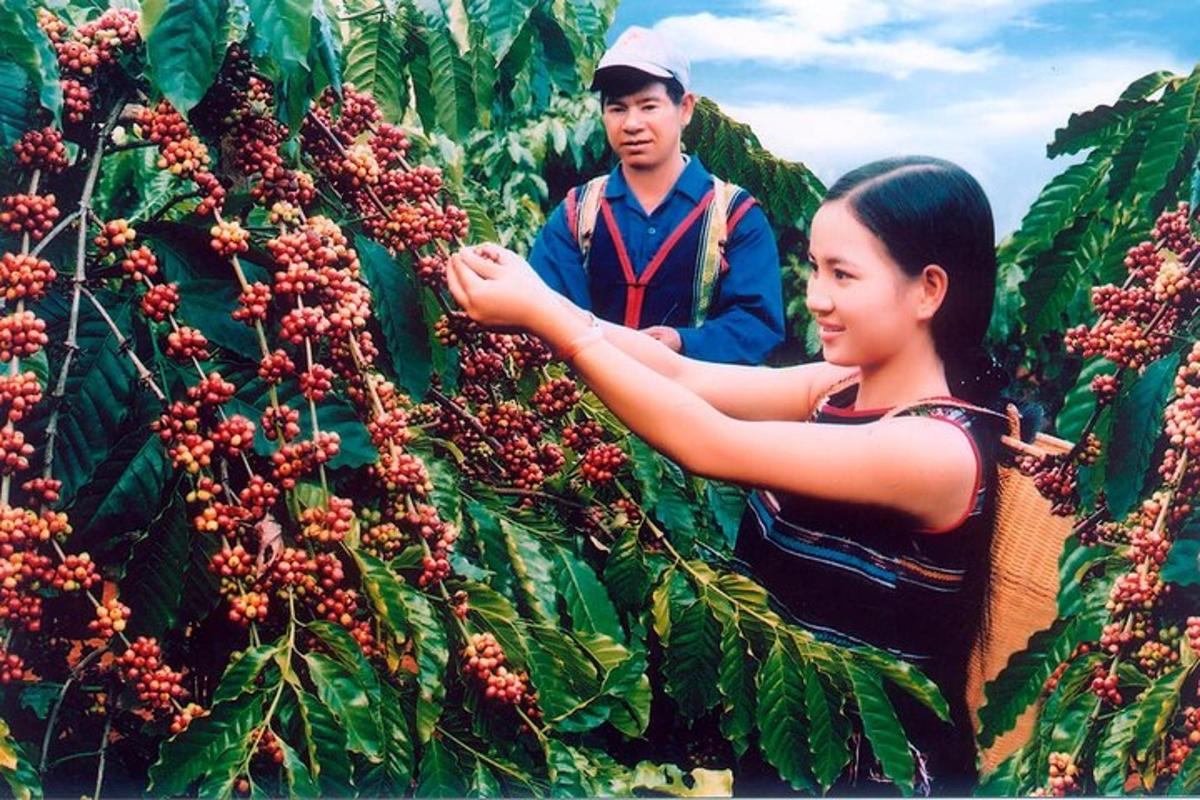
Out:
{"x": 1115, "y": 678}
{"x": 276, "y": 518}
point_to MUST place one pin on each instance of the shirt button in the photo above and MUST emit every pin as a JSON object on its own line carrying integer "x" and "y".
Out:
{"x": 653, "y": 231}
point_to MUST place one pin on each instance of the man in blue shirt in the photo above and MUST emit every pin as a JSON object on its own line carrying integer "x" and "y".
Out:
{"x": 659, "y": 244}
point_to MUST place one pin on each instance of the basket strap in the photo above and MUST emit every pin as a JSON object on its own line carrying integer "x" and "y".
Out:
{"x": 831, "y": 390}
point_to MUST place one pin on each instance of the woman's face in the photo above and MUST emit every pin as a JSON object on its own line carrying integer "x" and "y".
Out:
{"x": 867, "y": 308}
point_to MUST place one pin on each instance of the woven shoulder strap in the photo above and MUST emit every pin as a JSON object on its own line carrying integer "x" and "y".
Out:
{"x": 583, "y": 211}
{"x": 1011, "y": 417}
{"x": 714, "y": 232}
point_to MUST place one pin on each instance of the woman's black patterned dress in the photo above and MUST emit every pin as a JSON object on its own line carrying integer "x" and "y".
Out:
{"x": 857, "y": 574}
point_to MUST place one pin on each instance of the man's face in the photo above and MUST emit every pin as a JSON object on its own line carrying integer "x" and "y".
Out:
{"x": 643, "y": 128}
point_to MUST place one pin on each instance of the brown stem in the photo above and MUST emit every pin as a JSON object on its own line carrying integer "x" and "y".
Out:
{"x": 467, "y": 417}
{"x": 85, "y": 205}
{"x": 126, "y": 347}
{"x": 54, "y": 232}
{"x": 103, "y": 754}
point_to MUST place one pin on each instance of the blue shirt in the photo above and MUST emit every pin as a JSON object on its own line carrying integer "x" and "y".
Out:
{"x": 744, "y": 323}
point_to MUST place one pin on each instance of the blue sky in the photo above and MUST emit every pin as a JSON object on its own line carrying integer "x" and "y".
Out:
{"x": 837, "y": 83}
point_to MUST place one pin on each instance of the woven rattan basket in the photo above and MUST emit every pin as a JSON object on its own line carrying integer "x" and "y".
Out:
{"x": 1022, "y": 600}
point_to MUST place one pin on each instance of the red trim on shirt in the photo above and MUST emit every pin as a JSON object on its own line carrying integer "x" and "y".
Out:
{"x": 635, "y": 291}
{"x": 737, "y": 215}
{"x": 978, "y": 478}
{"x": 572, "y": 221}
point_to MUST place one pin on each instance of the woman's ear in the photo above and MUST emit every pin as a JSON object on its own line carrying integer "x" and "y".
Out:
{"x": 933, "y": 284}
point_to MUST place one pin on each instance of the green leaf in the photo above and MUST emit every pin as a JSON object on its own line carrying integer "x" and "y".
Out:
{"x": 299, "y": 780}
{"x": 341, "y": 692}
{"x": 25, "y": 45}
{"x": 207, "y": 743}
{"x": 484, "y": 782}
{"x": 348, "y": 651}
{"x": 383, "y": 590}
{"x": 432, "y": 654}
{"x": 481, "y": 226}
{"x": 451, "y": 85}
{"x": 1157, "y": 706}
{"x": 100, "y": 392}
{"x": 18, "y": 771}
{"x": 736, "y": 675}
{"x": 1060, "y": 275}
{"x": 375, "y": 60}
{"x": 325, "y": 745}
{"x": 1074, "y": 723}
{"x": 185, "y": 46}
{"x": 1022, "y": 679}
{"x": 1060, "y": 203}
{"x": 282, "y": 29}
{"x": 782, "y": 723}
{"x": 626, "y": 573}
{"x": 727, "y": 502}
{"x": 568, "y": 770}
{"x": 882, "y": 728}
{"x": 243, "y": 669}
{"x": 398, "y": 763}
{"x": 397, "y": 304}
{"x": 1183, "y": 563}
{"x": 494, "y": 614}
{"x": 327, "y": 45}
{"x": 1095, "y": 128}
{"x": 14, "y": 105}
{"x": 1076, "y": 562}
{"x": 587, "y": 601}
{"x": 691, "y": 660}
{"x": 532, "y": 570}
{"x": 1170, "y": 135}
{"x": 1188, "y": 779}
{"x": 910, "y": 679}
{"x": 661, "y": 603}
{"x": 154, "y": 580}
{"x": 440, "y": 774}
{"x": 674, "y": 511}
{"x": 1137, "y": 423}
{"x": 503, "y": 22}
{"x": 126, "y": 490}
{"x": 827, "y": 742}
{"x": 207, "y": 305}
{"x": 647, "y": 466}
{"x": 446, "y": 494}
{"x": 1112, "y": 754}
{"x": 1081, "y": 400}
{"x": 1147, "y": 85}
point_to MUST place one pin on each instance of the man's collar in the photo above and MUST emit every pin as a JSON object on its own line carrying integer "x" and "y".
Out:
{"x": 694, "y": 181}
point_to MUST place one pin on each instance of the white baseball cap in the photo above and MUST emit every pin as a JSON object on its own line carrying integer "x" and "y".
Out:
{"x": 646, "y": 51}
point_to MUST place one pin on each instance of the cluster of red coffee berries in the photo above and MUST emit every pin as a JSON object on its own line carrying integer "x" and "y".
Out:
{"x": 601, "y": 463}
{"x": 32, "y": 214}
{"x": 229, "y": 238}
{"x": 42, "y": 149}
{"x": 1063, "y": 777}
{"x": 157, "y": 685}
{"x": 484, "y": 661}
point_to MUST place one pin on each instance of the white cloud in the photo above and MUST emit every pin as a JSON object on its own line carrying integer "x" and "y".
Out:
{"x": 706, "y": 37}
{"x": 891, "y": 38}
{"x": 999, "y": 134}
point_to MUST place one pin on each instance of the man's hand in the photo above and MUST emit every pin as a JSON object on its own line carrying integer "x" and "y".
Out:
{"x": 665, "y": 334}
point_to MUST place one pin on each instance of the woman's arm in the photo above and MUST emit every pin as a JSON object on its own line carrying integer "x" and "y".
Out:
{"x": 921, "y": 466}
{"x": 750, "y": 393}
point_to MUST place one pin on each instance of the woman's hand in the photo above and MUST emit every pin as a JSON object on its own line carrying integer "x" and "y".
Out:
{"x": 498, "y": 289}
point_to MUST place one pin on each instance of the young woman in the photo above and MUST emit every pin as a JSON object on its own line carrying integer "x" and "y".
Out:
{"x": 868, "y": 527}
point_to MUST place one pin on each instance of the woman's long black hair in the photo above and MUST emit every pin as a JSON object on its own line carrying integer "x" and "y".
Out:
{"x": 930, "y": 211}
